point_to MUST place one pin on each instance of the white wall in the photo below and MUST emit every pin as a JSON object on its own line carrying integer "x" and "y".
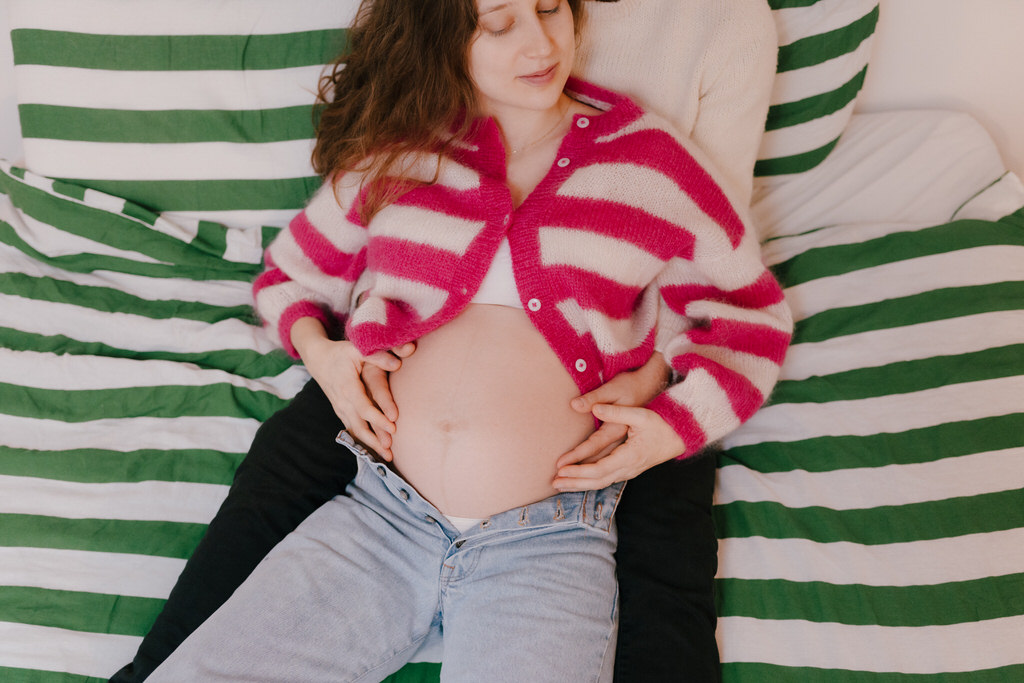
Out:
{"x": 953, "y": 54}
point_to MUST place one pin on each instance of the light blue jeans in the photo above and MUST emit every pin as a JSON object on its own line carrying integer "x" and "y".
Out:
{"x": 528, "y": 595}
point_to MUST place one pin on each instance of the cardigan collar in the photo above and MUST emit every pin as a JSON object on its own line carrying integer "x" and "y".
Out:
{"x": 484, "y": 149}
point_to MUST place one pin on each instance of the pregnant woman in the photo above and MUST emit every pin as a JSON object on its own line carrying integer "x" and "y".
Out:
{"x": 535, "y": 236}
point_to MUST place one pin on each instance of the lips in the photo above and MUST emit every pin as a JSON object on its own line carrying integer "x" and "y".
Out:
{"x": 542, "y": 77}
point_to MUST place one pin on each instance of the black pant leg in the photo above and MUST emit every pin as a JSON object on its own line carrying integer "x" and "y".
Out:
{"x": 293, "y": 467}
{"x": 667, "y": 559}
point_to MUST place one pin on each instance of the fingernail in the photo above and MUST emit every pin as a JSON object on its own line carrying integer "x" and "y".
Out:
{"x": 578, "y": 404}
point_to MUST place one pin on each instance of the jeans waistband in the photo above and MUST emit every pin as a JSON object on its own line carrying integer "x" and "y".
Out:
{"x": 594, "y": 509}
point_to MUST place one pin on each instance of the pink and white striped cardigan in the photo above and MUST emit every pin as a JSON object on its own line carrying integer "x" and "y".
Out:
{"x": 626, "y": 246}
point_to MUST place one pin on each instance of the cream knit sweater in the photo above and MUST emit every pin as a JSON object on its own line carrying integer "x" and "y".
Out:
{"x": 705, "y": 65}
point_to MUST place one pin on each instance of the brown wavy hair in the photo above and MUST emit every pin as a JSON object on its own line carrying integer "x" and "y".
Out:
{"x": 401, "y": 87}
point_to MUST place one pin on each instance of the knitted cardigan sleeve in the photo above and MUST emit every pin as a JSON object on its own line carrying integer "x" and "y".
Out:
{"x": 723, "y": 323}
{"x": 312, "y": 266}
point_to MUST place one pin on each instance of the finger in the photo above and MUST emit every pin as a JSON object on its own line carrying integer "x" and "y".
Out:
{"x": 385, "y": 441}
{"x": 405, "y": 350}
{"x": 621, "y": 464}
{"x": 362, "y": 433}
{"x": 365, "y": 411}
{"x": 623, "y": 415}
{"x": 379, "y": 389}
{"x": 607, "y": 435}
{"x": 384, "y": 360}
{"x": 603, "y": 394}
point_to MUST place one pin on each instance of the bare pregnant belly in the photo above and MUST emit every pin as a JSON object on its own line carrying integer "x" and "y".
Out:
{"x": 483, "y": 414}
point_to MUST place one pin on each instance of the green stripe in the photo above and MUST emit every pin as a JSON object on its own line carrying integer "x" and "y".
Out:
{"x": 77, "y": 611}
{"x": 175, "y": 540}
{"x": 904, "y": 377}
{"x": 820, "y": 48}
{"x": 97, "y": 466}
{"x": 275, "y": 194}
{"x": 746, "y": 672}
{"x": 786, "y": 4}
{"x": 116, "y": 230}
{"x": 861, "y": 605}
{"x": 929, "y": 444}
{"x": 111, "y": 300}
{"x": 88, "y": 263}
{"x": 983, "y": 513}
{"x": 9, "y": 675}
{"x": 840, "y": 259}
{"x": 797, "y": 163}
{"x": 811, "y": 108}
{"x": 177, "y": 53}
{"x": 941, "y": 304}
{"x": 242, "y": 362}
{"x": 163, "y": 401}
{"x": 417, "y": 672}
{"x": 161, "y": 127}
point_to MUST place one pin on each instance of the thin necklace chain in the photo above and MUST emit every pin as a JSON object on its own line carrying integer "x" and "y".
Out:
{"x": 542, "y": 137}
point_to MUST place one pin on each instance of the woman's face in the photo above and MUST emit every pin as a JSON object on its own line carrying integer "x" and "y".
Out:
{"x": 521, "y": 55}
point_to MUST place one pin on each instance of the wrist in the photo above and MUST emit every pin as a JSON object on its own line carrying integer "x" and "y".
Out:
{"x": 307, "y": 335}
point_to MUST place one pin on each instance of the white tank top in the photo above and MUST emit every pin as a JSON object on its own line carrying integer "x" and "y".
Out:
{"x": 499, "y": 284}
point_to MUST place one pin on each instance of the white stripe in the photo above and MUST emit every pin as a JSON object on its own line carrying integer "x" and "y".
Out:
{"x": 139, "y": 576}
{"x": 926, "y": 650}
{"x": 127, "y": 331}
{"x": 245, "y": 249}
{"x": 183, "y": 17}
{"x": 788, "y": 422}
{"x": 228, "y": 434}
{"x": 612, "y": 335}
{"x": 631, "y": 267}
{"x": 24, "y": 646}
{"x": 804, "y": 137}
{"x": 54, "y": 242}
{"x": 796, "y": 23}
{"x": 799, "y": 84}
{"x": 425, "y": 227}
{"x": 915, "y": 563}
{"x": 644, "y": 189}
{"x": 869, "y": 487}
{"x": 167, "y": 90}
{"x": 176, "y": 161}
{"x": 877, "y": 348}
{"x": 53, "y": 371}
{"x": 211, "y": 292}
{"x": 963, "y": 268}
{"x": 141, "y": 501}
{"x": 784, "y": 248}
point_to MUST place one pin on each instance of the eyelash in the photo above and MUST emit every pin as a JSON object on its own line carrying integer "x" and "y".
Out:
{"x": 546, "y": 12}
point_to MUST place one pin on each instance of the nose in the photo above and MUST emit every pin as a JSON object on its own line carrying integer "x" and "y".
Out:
{"x": 537, "y": 41}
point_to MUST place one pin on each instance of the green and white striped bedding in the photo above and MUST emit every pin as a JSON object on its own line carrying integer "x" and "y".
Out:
{"x": 871, "y": 516}
{"x": 199, "y": 110}
{"x": 824, "y": 48}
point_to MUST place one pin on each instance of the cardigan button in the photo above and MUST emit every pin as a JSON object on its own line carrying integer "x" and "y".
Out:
{"x": 581, "y": 365}
{"x": 563, "y": 162}
{"x": 534, "y": 305}
{"x": 583, "y": 122}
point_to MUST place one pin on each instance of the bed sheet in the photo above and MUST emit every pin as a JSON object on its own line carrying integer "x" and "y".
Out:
{"x": 871, "y": 516}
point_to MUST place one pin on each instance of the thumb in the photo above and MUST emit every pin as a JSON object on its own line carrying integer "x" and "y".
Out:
{"x": 624, "y": 415}
{"x": 586, "y": 402}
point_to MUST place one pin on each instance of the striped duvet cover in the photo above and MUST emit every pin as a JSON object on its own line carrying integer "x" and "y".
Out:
{"x": 871, "y": 516}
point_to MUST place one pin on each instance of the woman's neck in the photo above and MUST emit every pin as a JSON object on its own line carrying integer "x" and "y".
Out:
{"x": 522, "y": 133}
